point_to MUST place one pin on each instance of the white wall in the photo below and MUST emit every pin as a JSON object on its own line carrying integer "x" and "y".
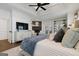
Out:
{"x": 19, "y": 16}
{"x": 70, "y": 19}
{"x": 8, "y": 21}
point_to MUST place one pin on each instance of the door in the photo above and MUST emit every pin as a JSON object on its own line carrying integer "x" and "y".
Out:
{"x": 3, "y": 29}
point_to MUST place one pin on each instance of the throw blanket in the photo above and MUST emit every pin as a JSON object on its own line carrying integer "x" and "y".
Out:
{"x": 28, "y": 44}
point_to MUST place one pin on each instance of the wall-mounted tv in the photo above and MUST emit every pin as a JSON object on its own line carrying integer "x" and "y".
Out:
{"x": 21, "y": 26}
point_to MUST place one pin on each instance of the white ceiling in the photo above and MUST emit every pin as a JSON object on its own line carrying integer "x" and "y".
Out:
{"x": 54, "y": 10}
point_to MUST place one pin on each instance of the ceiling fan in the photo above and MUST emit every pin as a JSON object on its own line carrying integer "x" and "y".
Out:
{"x": 40, "y": 5}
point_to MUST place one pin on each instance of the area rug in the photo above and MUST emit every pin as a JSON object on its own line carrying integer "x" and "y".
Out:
{"x": 13, "y": 51}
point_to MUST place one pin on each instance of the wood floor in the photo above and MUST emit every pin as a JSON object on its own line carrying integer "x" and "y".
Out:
{"x": 5, "y": 45}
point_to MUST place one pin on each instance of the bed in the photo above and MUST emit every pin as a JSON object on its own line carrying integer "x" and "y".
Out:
{"x": 47, "y": 47}
{"x": 51, "y": 48}
{"x": 28, "y": 44}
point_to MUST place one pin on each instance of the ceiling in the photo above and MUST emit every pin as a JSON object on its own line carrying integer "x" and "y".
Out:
{"x": 54, "y": 10}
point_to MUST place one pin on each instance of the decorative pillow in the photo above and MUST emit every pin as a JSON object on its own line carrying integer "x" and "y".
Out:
{"x": 77, "y": 46}
{"x": 70, "y": 38}
{"x": 59, "y": 35}
{"x": 51, "y": 36}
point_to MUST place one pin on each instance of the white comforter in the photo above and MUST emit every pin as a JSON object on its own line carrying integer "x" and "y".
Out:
{"x": 51, "y": 48}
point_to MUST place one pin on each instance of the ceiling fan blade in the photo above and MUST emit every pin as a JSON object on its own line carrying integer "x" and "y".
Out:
{"x": 43, "y": 8}
{"x": 37, "y": 8}
{"x": 44, "y": 4}
{"x": 32, "y": 5}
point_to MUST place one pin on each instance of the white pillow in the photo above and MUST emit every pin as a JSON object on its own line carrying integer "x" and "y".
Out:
{"x": 51, "y": 36}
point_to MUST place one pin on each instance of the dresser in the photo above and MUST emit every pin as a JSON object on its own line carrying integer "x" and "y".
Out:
{"x": 20, "y": 35}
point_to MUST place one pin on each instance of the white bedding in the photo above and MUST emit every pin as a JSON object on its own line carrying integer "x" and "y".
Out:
{"x": 51, "y": 48}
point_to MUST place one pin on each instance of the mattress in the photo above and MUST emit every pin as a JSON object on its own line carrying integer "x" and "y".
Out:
{"x": 50, "y": 48}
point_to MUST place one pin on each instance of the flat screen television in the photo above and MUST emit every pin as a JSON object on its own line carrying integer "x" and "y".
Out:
{"x": 21, "y": 26}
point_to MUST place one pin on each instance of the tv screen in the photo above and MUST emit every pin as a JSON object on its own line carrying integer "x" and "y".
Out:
{"x": 21, "y": 26}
